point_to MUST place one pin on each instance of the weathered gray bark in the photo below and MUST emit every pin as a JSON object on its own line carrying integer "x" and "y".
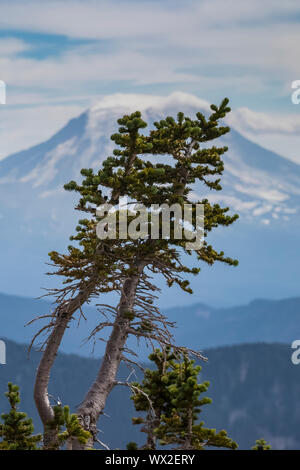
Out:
{"x": 188, "y": 444}
{"x": 43, "y": 372}
{"x": 94, "y": 402}
{"x": 151, "y": 424}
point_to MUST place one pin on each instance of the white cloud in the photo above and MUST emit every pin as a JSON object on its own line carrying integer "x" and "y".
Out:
{"x": 266, "y": 221}
{"x": 12, "y": 46}
{"x": 246, "y": 119}
{"x": 133, "y": 101}
{"x": 83, "y": 65}
{"x": 233, "y": 202}
{"x": 104, "y": 19}
{"x": 262, "y": 210}
{"x": 156, "y": 43}
{"x": 51, "y": 193}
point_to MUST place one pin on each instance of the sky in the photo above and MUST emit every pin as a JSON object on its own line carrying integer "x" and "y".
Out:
{"x": 58, "y": 58}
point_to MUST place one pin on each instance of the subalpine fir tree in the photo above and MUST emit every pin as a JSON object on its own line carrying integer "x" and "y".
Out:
{"x": 171, "y": 397}
{"x": 16, "y": 431}
{"x": 261, "y": 444}
{"x": 94, "y": 266}
{"x": 183, "y": 428}
{"x": 153, "y": 395}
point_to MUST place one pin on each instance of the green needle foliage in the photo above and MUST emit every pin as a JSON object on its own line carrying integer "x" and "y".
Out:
{"x": 16, "y": 430}
{"x": 162, "y": 180}
{"x": 67, "y": 426}
{"x": 170, "y": 395}
{"x": 156, "y": 397}
{"x": 261, "y": 444}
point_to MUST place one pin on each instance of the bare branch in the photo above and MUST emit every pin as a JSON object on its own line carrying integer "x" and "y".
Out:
{"x": 138, "y": 390}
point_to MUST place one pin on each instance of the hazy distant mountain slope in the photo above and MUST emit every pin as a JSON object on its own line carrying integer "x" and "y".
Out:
{"x": 37, "y": 215}
{"x": 198, "y": 326}
{"x": 260, "y": 320}
{"x": 255, "y": 390}
{"x": 16, "y": 312}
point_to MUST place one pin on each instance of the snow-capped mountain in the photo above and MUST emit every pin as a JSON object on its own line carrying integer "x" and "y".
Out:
{"x": 36, "y": 213}
{"x": 256, "y": 181}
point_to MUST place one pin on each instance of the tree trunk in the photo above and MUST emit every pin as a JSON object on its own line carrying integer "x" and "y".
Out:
{"x": 94, "y": 402}
{"x": 188, "y": 444}
{"x": 152, "y": 423}
{"x": 43, "y": 372}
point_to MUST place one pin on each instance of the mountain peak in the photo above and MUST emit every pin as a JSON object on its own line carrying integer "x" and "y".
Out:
{"x": 256, "y": 182}
{"x": 133, "y": 102}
